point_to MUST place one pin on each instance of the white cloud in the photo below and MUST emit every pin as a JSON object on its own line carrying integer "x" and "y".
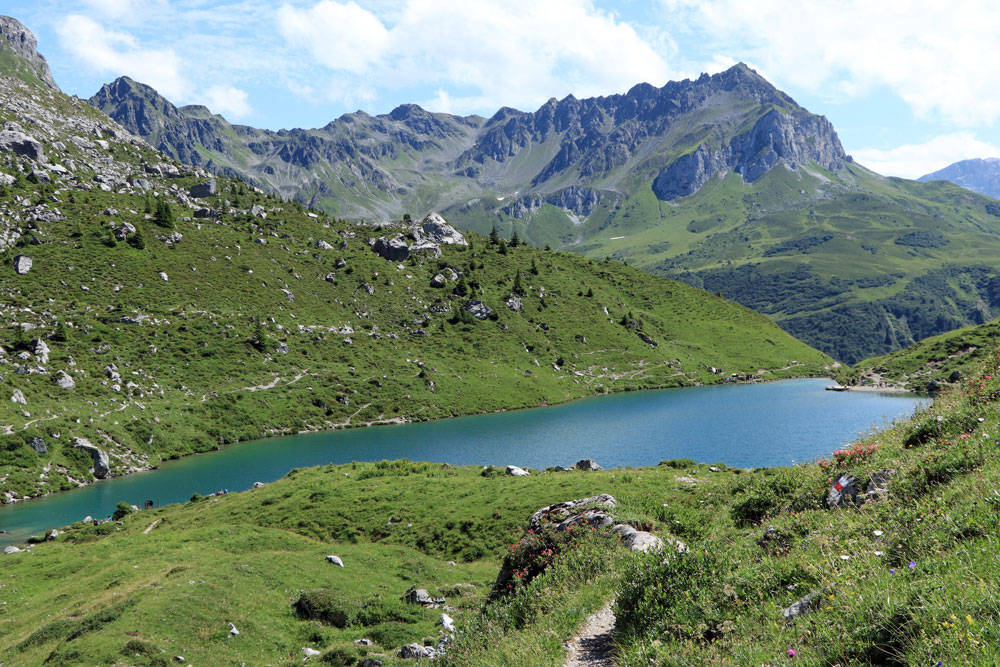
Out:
{"x": 915, "y": 160}
{"x": 485, "y": 54}
{"x": 118, "y": 53}
{"x": 340, "y": 36}
{"x": 228, "y": 101}
{"x": 939, "y": 57}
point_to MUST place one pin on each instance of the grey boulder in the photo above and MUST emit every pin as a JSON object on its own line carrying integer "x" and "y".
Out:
{"x": 394, "y": 249}
{"x": 99, "y": 456}
{"x": 22, "y": 264}
{"x": 204, "y": 189}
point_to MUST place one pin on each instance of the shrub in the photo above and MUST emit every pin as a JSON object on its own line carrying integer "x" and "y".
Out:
{"x": 378, "y": 610}
{"x": 122, "y": 510}
{"x": 679, "y": 596}
{"x": 341, "y": 656}
{"x": 325, "y": 606}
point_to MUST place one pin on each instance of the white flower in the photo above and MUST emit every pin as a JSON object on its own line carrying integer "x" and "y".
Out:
{"x": 845, "y": 557}
{"x": 879, "y": 533}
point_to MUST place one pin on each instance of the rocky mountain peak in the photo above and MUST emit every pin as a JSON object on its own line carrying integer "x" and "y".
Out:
{"x": 21, "y": 41}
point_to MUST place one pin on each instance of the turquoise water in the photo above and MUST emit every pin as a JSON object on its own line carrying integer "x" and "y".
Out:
{"x": 771, "y": 424}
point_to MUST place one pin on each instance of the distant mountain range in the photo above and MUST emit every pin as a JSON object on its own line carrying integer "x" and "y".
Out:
{"x": 724, "y": 182}
{"x": 980, "y": 175}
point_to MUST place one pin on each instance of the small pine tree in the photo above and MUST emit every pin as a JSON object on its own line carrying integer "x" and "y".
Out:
{"x": 534, "y": 267}
{"x": 590, "y": 292}
{"x": 494, "y": 237}
{"x": 257, "y": 338}
{"x": 136, "y": 240}
{"x": 60, "y": 334}
{"x": 462, "y": 288}
{"x": 502, "y": 248}
{"x": 517, "y": 288}
{"x": 515, "y": 240}
{"x": 164, "y": 215}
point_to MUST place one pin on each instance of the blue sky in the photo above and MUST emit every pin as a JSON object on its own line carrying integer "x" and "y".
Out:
{"x": 910, "y": 86}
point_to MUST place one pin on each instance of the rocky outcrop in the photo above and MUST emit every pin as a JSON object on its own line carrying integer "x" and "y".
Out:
{"x": 796, "y": 138}
{"x": 478, "y": 309}
{"x": 99, "y": 456}
{"x": 19, "y": 143}
{"x": 22, "y": 43}
{"x": 436, "y": 230}
{"x": 394, "y": 249}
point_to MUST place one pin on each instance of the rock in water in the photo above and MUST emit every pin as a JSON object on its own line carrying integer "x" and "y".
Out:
{"x": 100, "y": 457}
{"x": 22, "y": 264}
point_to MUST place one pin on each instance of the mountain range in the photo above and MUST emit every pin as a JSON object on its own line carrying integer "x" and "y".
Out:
{"x": 724, "y": 182}
{"x": 980, "y": 175}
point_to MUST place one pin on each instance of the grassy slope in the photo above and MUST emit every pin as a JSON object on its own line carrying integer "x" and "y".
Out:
{"x": 198, "y": 381}
{"x": 855, "y": 292}
{"x": 934, "y": 359}
{"x": 909, "y": 579}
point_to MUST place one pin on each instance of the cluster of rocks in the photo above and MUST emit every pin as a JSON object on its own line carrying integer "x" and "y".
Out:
{"x": 427, "y": 238}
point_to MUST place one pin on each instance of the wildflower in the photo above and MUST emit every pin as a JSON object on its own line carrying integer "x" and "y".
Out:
{"x": 879, "y": 553}
{"x": 791, "y": 653}
{"x": 879, "y": 533}
{"x": 912, "y": 565}
{"x": 845, "y": 557}
{"x": 892, "y": 570}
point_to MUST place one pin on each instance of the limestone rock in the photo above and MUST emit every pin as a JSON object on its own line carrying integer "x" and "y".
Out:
{"x": 258, "y": 211}
{"x": 64, "y": 380}
{"x": 638, "y": 540}
{"x": 11, "y": 550}
{"x": 38, "y": 445}
{"x": 257, "y": 485}
{"x": 803, "y": 606}
{"x": 416, "y": 595}
{"x": 22, "y": 264}
{"x": 12, "y": 141}
{"x": 18, "y": 397}
{"x": 435, "y": 229}
{"x": 323, "y": 245}
{"x": 232, "y": 630}
{"x": 164, "y": 277}
{"x": 99, "y": 456}
{"x": 335, "y": 560}
{"x": 447, "y": 622}
{"x": 310, "y": 652}
{"x": 438, "y": 281}
{"x": 416, "y": 651}
{"x": 560, "y": 511}
{"x": 478, "y": 309}
{"x": 843, "y": 492}
{"x": 515, "y": 471}
{"x": 587, "y": 464}
{"x": 394, "y": 249}
{"x": 42, "y": 351}
{"x": 24, "y": 44}
{"x": 124, "y": 231}
{"x": 204, "y": 189}
{"x": 514, "y": 303}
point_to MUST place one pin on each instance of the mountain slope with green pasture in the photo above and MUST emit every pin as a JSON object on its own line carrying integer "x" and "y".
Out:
{"x": 158, "y": 318}
{"x": 930, "y": 364}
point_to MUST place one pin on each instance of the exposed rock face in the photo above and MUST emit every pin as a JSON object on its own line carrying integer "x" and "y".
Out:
{"x": 123, "y": 231}
{"x": 561, "y": 154}
{"x": 561, "y": 511}
{"x": 23, "y": 44}
{"x": 100, "y": 457}
{"x": 796, "y": 138}
{"x": 420, "y": 596}
{"x": 416, "y": 651}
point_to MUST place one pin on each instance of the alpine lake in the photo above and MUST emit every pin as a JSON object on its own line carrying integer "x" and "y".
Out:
{"x": 745, "y": 425}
